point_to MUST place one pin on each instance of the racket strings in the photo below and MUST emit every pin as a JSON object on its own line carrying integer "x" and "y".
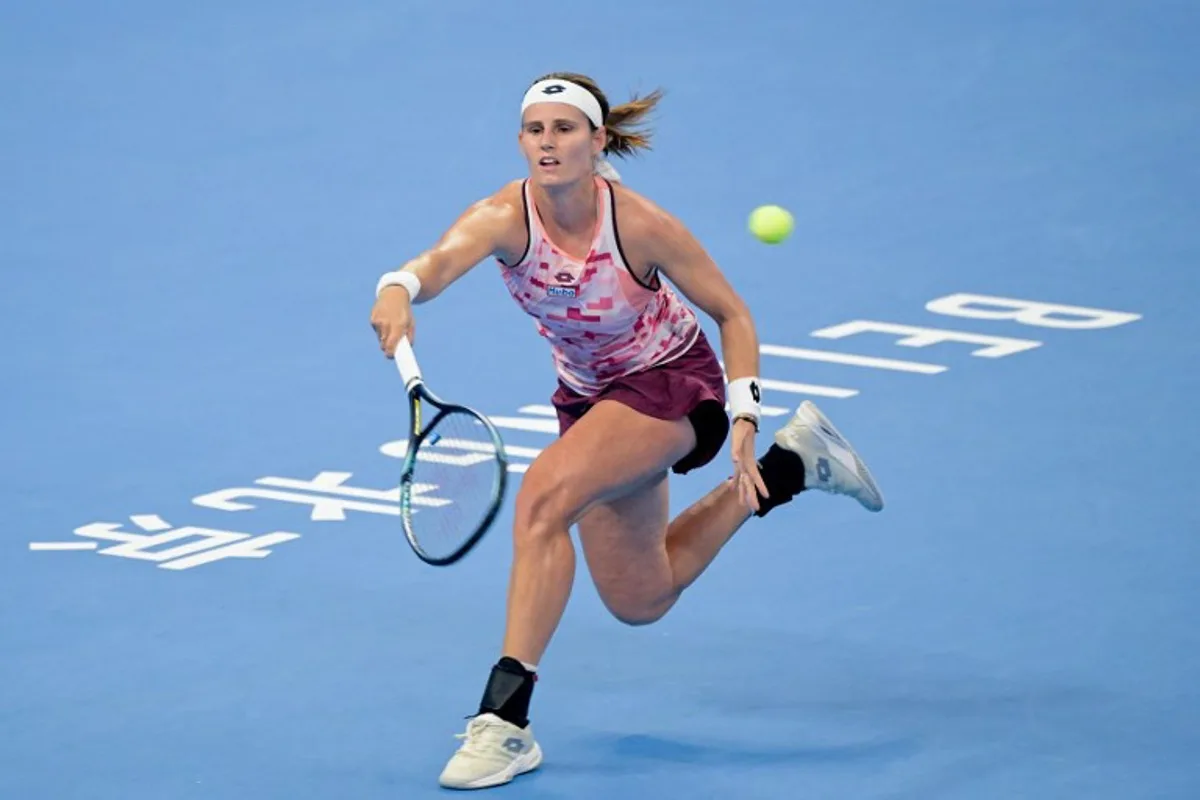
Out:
{"x": 454, "y": 483}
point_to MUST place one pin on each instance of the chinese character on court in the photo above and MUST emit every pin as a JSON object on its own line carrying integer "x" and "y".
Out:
{"x": 167, "y": 546}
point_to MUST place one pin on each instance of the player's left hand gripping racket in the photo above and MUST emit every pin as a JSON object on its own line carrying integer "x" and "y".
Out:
{"x": 455, "y": 471}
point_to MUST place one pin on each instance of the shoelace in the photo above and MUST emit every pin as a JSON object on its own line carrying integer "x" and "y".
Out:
{"x": 480, "y": 737}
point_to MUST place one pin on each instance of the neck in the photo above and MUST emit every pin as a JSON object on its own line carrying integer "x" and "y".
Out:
{"x": 571, "y": 207}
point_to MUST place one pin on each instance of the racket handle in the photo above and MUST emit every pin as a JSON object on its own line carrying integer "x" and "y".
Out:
{"x": 406, "y": 363}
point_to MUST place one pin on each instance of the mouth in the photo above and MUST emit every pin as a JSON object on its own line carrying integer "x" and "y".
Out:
{"x": 548, "y": 161}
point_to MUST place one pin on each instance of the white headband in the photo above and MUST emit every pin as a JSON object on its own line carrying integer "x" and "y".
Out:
{"x": 560, "y": 91}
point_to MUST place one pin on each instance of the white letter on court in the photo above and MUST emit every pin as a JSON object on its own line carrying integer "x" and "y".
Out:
{"x": 997, "y": 346}
{"x": 1028, "y": 312}
{"x": 324, "y": 509}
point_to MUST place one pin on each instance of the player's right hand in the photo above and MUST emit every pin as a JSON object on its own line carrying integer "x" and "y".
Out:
{"x": 391, "y": 317}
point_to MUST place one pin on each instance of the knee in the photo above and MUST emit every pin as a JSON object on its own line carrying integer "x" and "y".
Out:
{"x": 636, "y": 611}
{"x": 542, "y": 509}
{"x": 640, "y": 617}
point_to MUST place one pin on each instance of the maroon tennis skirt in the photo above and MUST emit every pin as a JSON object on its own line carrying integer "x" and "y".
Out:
{"x": 691, "y": 386}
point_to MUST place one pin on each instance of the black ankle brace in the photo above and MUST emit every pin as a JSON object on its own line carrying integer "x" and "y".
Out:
{"x": 508, "y": 692}
{"x": 783, "y": 473}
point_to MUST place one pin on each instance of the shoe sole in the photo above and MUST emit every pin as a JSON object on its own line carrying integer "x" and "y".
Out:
{"x": 875, "y": 502}
{"x": 518, "y": 766}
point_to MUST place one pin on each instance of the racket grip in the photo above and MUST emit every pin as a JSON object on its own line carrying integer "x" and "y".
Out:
{"x": 406, "y": 363}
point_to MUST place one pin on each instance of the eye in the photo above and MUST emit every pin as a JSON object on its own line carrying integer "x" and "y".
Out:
{"x": 566, "y": 127}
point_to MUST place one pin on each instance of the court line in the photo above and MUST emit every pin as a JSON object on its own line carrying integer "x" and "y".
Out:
{"x": 850, "y": 359}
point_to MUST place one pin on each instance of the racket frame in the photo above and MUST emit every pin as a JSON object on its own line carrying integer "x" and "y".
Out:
{"x": 418, "y": 395}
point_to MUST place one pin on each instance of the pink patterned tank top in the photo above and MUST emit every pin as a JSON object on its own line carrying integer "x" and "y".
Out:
{"x": 601, "y": 322}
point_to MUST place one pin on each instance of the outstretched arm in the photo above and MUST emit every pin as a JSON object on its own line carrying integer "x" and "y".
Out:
{"x": 478, "y": 233}
{"x": 482, "y": 230}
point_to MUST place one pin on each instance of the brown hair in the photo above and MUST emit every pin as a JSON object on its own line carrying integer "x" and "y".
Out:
{"x": 625, "y": 137}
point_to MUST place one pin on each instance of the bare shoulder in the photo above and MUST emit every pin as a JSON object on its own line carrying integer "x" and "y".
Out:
{"x": 508, "y": 204}
{"x": 651, "y": 236}
{"x": 640, "y": 217}
{"x": 511, "y": 196}
{"x": 500, "y": 217}
{"x": 505, "y": 205}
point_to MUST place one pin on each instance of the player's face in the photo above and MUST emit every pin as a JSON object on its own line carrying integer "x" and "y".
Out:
{"x": 558, "y": 143}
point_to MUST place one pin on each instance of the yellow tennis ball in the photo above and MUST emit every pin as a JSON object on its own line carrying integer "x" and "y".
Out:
{"x": 771, "y": 224}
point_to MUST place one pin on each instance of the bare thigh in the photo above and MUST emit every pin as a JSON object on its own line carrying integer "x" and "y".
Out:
{"x": 610, "y": 453}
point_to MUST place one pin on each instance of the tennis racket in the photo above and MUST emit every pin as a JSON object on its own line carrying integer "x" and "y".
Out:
{"x": 455, "y": 471}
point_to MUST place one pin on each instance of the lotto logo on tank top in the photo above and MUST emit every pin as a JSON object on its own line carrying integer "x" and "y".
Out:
{"x": 564, "y": 287}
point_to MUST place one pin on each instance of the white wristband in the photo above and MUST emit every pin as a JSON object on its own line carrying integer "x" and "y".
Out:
{"x": 400, "y": 278}
{"x": 745, "y": 394}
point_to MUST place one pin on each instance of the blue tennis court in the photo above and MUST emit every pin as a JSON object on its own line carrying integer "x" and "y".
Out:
{"x": 992, "y": 290}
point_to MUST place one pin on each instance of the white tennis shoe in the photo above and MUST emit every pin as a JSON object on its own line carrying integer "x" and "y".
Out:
{"x": 830, "y": 461}
{"x": 494, "y": 751}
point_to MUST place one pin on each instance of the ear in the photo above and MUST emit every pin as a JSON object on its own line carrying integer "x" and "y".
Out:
{"x": 599, "y": 140}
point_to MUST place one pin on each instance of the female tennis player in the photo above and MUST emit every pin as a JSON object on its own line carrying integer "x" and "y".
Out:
{"x": 640, "y": 394}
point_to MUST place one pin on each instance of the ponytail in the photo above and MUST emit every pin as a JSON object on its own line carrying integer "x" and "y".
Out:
{"x": 627, "y": 131}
